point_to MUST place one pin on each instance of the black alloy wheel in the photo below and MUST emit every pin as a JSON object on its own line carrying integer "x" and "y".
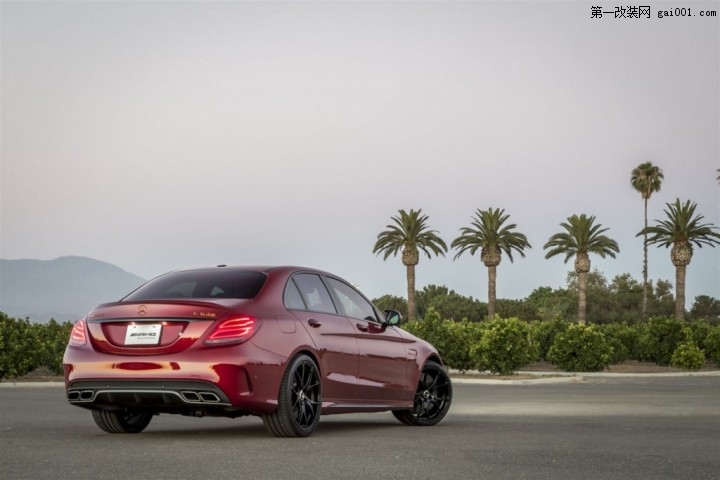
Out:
{"x": 432, "y": 398}
{"x": 299, "y": 401}
{"x": 122, "y": 421}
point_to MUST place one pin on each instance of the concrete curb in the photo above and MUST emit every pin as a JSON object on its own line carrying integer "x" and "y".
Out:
{"x": 544, "y": 378}
{"x": 460, "y": 380}
{"x": 31, "y": 384}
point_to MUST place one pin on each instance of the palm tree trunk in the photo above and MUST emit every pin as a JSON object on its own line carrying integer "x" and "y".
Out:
{"x": 645, "y": 268}
{"x": 680, "y": 292}
{"x": 412, "y": 309}
{"x": 492, "y": 280}
{"x": 582, "y": 301}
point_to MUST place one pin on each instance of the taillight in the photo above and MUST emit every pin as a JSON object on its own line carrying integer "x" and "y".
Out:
{"x": 77, "y": 335}
{"x": 232, "y": 330}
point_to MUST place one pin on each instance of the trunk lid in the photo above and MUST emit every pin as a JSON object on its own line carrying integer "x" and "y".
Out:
{"x": 151, "y": 327}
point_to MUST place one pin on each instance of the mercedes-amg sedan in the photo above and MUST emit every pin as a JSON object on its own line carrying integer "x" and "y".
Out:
{"x": 284, "y": 343}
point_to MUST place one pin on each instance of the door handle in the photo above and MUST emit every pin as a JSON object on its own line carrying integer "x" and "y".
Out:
{"x": 314, "y": 323}
{"x": 361, "y": 327}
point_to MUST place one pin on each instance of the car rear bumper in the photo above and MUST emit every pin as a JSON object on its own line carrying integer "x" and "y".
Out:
{"x": 231, "y": 383}
{"x": 158, "y": 394}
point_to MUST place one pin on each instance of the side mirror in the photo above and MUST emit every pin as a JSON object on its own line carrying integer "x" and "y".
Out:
{"x": 392, "y": 317}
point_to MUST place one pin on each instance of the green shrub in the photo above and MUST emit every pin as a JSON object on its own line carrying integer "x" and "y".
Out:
{"x": 622, "y": 338}
{"x": 506, "y": 345}
{"x": 699, "y": 330}
{"x": 712, "y": 344}
{"x": 581, "y": 348}
{"x": 18, "y": 347}
{"x": 52, "y": 340}
{"x": 658, "y": 338}
{"x": 25, "y": 346}
{"x": 543, "y": 334}
{"x": 643, "y": 347}
{"x": 461, "y": 336}
{"x": 688, "y": 356}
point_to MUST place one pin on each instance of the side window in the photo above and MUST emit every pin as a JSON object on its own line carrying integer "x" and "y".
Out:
{"x": 292, "y": 298}
{"x": 353, "y": 303}
{"x": 313, "y": 293}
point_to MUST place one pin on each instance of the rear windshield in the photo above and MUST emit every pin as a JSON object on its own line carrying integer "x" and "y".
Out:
{"x": 201, "y": 284}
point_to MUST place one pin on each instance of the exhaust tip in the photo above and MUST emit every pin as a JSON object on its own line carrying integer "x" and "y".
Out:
{"x": 81, "y": 395}
{"x": 87, "y": 395}
{"x": 209, "y": 397}
{"x": 199, "y": 397}
{"x": 190, "y": 397}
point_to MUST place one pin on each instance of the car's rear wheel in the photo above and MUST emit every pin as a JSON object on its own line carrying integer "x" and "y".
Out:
{"x": 299, "y": 400}
{"x": 122, "y": 421}
{"x": 432, "y": 397}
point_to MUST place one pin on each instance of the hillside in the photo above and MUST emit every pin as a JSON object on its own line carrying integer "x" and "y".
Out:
{"x": 63, "y": 289}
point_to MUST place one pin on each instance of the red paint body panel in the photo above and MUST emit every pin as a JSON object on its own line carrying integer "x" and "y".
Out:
{"x": 365, "y": 365}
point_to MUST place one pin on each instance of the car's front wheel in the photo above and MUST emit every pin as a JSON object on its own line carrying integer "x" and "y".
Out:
{"x": 299, "y": 400}
{"x": 122, "y": 421}
{"x": 432, "y": 397}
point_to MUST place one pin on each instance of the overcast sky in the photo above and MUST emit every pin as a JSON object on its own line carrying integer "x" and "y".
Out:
{"x": 163, "y": 135}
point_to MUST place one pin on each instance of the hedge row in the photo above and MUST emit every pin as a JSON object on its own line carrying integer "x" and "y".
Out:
{"x": 25, "y": 346}
{"x": 503, "y": 346}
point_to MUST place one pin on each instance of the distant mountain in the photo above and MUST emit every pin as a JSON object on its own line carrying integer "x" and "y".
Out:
{"x": 64, "y": 289}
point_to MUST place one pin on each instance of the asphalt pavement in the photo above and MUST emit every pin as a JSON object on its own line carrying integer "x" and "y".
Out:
{"x": 649, "y": 426}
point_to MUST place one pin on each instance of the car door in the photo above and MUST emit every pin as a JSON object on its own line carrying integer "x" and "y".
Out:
{"x": 310, "y": 302}
{"x": 384, "y": 359}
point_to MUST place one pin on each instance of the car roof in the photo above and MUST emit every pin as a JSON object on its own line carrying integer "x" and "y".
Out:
{"x": 255, "y": 268}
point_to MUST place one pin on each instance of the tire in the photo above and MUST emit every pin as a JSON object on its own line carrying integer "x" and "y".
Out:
{"x": 122, "y": 421}
{"x": 299, "y": 400}
{"x": 432, "y": 398}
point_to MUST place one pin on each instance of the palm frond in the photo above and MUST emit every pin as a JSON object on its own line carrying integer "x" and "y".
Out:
{"x": 581, "y": 235}
{"x": 488, "y": 230}
{"x": 681, "y": 225}
{"x": 409, "y": 229}
{"x": 647, "y": 179}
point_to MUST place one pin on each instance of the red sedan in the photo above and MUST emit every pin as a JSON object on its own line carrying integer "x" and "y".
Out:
{"x": 284, "y": 343}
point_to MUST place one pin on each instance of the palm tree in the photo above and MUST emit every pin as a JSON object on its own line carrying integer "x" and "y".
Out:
{"x": 647, "y": 179}
{"x": 681, "y": 230}
{"x": 580, "y": 238}
{"x": 409, "y": 234}
{"x": 488, "y": 234}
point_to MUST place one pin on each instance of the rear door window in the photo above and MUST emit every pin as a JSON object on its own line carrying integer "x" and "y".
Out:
{"x": 313, "y": 292}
